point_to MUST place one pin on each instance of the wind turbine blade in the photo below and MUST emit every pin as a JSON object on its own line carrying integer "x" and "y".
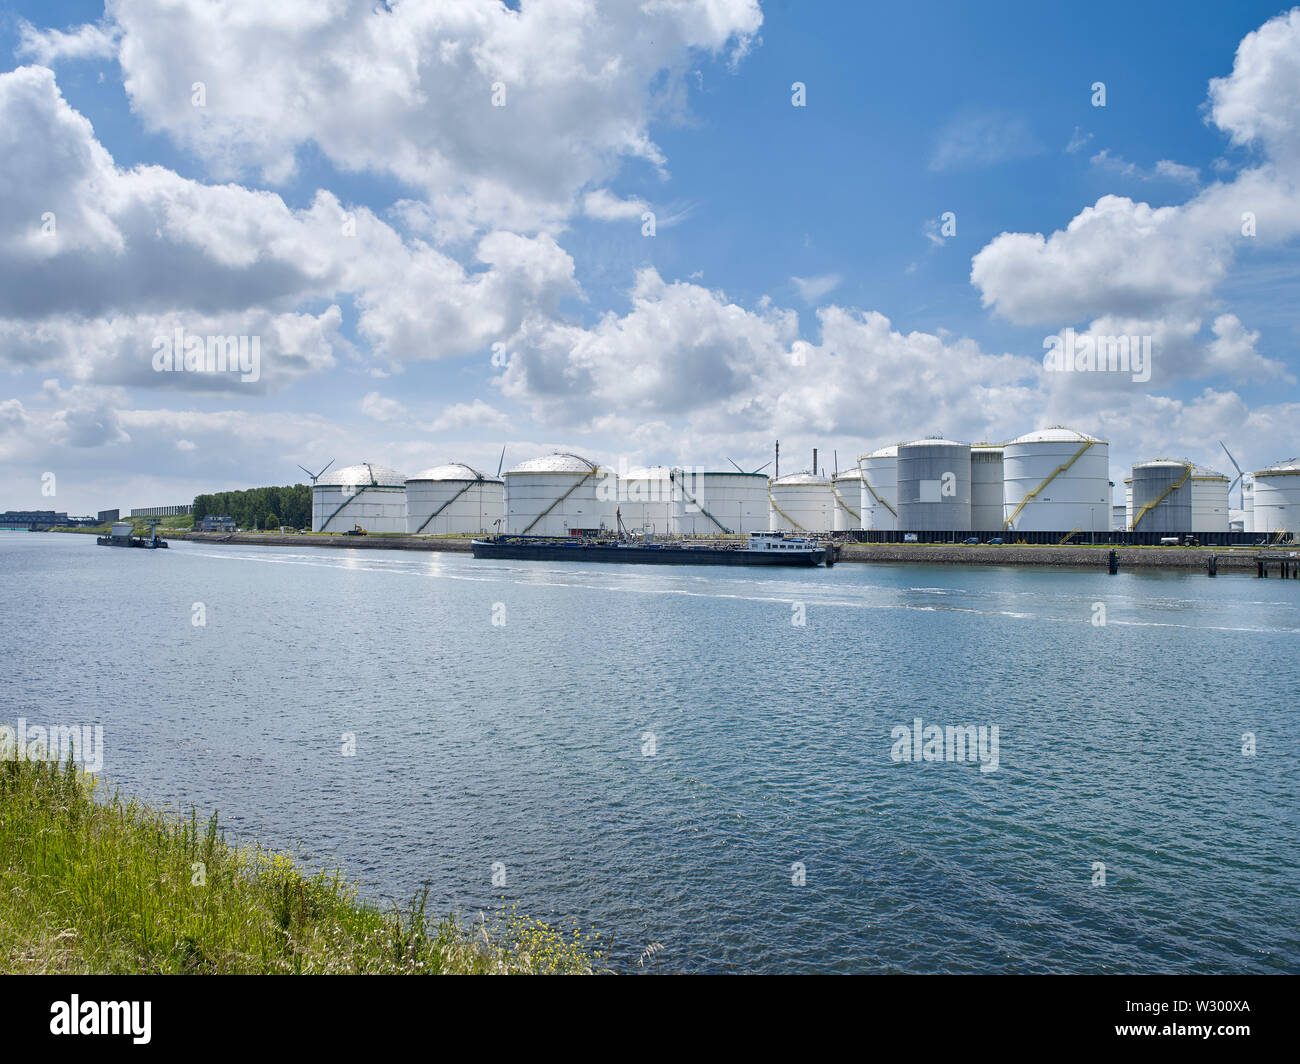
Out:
{"x": 733, "y": 462}
{"x": 307, "y": 471}
{"x": 1230, "y": 458}
{"x": 502, "y": 460}
{"x": 762, "y": 467}
{"x": 327, "y": 465}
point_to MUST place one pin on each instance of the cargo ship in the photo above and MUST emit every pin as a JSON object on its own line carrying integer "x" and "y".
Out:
{"x": 759, "y": 548}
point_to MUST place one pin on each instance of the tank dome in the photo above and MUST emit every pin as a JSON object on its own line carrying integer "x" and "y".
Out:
{"x": 362, "y": 474}
{"x": 453, "y": 471}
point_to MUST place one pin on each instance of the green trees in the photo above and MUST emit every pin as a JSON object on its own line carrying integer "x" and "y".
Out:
{"x": 267, "y": 507}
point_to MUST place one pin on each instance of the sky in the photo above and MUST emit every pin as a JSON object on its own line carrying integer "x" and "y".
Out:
{"x": 647, "y": 231}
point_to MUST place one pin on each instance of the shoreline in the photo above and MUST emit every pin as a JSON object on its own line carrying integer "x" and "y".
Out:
{"x": 1235, "y": 559}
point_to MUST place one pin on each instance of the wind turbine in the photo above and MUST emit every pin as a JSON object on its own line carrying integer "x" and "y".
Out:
{"x": 316, "y": 476}
{"x": 1241, "y": 498}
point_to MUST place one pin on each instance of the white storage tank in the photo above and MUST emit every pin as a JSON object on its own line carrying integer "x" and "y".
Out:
{"x": 558, "y": 494}
{"x": 1162, "y": 497}
{"x": 880, "y": 489}
{"x": 1128, "y": 504}
{"x": 801, "y": 502}
{"x": 1119, "y": 519}
{"x": 1057, "y": 480}
{"x": 646, "y": 498}
{"x": 724, "y": 502}
{"x": 934, "y": 486}
{"x": 367, "y": 495}
{"x": 1248, "y": 495}
{"x": 1209, "y": 500}
{"x": 846, "y": 489}
{"x": 986, "y": 490}
{"x": 454, "y": 499}
{"x": 1277, "y": 498}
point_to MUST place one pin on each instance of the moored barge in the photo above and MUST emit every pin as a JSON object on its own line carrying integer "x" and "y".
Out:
{"x": 759, "y": 548}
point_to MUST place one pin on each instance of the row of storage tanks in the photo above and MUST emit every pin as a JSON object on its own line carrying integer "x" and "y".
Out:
{"x": 1051, "y": 480}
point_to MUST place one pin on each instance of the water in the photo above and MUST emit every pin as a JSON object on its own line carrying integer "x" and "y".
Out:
{"x": 522, "y": 744}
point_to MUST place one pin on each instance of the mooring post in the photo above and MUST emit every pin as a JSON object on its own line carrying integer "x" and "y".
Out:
{"x": 1261, "y": 570}
{"x": 1212, "y": 565}
{"x": 1114, "y": 562}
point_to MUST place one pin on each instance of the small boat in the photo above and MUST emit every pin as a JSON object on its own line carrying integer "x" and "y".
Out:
{"x": 123, "y": 535}
{"x": 759, "y": 548}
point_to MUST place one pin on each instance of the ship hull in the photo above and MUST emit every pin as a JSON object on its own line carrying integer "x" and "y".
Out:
{"x": 665, "y": 555}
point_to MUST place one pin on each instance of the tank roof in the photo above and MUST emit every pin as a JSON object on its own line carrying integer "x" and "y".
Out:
{"x": 803, "y": 478}
{"x": 934, "y": 441}
{"x": 453, "y": 471}
{"x": 885, "y": 452}
{"x": 1289, "y": 467}
{"x": 559, "y": 462}
{"x": 1156, "y": 462}
{"x": 363, "y": 474}
{"x": 1057, "y": 434}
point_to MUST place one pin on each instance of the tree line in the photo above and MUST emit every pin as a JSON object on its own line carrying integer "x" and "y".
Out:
{"x": 259, "y": 507}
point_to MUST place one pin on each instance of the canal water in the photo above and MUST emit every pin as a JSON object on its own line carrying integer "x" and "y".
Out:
{"x": 717, "y": 761}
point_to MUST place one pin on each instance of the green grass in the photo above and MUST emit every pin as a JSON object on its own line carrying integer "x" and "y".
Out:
{"x": 114, "y": 887}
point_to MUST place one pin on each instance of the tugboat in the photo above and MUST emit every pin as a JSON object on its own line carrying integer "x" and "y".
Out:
{"x": 760, "y": 548}
{"x": 122, "y": 535}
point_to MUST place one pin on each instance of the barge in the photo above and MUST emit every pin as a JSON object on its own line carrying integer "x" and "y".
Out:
{"x": 122, "y": 535}
{"x": 759, "y": 548}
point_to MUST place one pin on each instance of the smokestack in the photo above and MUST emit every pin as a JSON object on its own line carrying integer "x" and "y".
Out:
{"x": 777, "y": 474}
{"x": 814, "y": 461}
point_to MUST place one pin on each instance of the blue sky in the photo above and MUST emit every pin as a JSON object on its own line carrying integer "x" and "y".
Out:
{"x": 776, "y": 226}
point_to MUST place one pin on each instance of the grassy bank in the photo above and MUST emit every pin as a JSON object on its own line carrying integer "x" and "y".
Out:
{"x": 108, "y": 887}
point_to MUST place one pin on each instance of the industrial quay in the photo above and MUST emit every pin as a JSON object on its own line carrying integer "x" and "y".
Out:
{"x": 1048, "y": 487}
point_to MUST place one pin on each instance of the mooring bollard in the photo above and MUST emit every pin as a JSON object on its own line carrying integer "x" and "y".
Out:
{"x": 1212, "y": 565}
{"x": 1261, "y": 570}
{"x": 1114, "y": 562}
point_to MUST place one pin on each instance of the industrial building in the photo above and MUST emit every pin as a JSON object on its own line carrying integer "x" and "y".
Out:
{"x": 801, "y": 502}
{"x": 25, "y": 519}
{"x": 1276, "y": 500}
{"x": 986, "y": 486}
{"x": 163, "y": 511}
{"x": 934, "y": 485}
{"x": 646, "y": 498}
{"x": 1209, "y": 500}
{"x": 880, "y": 489}
{"x": 1162, "y": 497}
{"x": 366, "y": 495}
{"x": 729, "y": 502}
{"x": 846, "y": 488}
{"x": 1054, "y": 480}
{"x": 558, "y": 495}
{"x": 454, "y": 499}
{"x": 1044, "y": 486}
